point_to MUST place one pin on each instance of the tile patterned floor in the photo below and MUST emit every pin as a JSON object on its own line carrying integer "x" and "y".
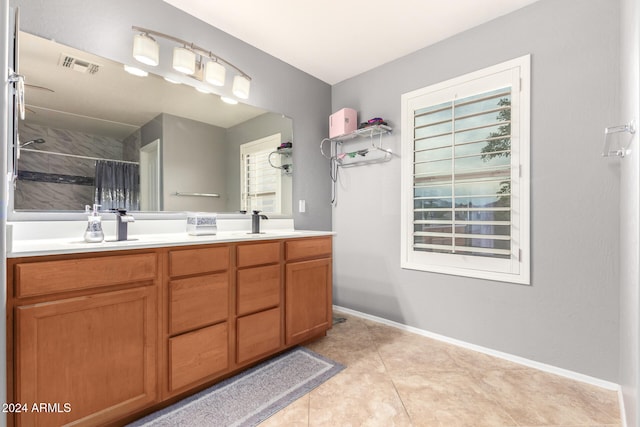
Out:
{"x": 397, "y": 378}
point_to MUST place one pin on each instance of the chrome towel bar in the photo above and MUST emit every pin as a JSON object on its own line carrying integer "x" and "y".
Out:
{"x": 197, "y": 194}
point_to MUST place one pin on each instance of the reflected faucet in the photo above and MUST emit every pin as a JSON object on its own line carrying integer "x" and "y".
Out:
{"x": 255, "y": 222}
{"x": 122, "y": 221}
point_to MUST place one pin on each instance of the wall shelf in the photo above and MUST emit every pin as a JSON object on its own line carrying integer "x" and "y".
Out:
{"x": 376, "y": 153}
{"x": 367, "y": 132}
{"x": 286, "y": 160}
{"x": 340, "y": 158}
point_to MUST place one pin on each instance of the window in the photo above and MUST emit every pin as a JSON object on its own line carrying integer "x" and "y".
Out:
{"x": 465, "y": 175}
{"x": 260, "y": 182}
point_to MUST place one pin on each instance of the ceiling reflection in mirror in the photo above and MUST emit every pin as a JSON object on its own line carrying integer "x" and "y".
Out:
{"x": 180, "y": 148}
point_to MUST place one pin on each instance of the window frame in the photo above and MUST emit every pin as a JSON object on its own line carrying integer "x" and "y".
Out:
{"x": 517, "y": 74}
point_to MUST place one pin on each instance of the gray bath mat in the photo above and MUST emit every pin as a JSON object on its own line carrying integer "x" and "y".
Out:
{"x": 251, "y": 396}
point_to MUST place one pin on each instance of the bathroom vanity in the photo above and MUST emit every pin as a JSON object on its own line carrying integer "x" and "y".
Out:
{"x": 104, "y": 336}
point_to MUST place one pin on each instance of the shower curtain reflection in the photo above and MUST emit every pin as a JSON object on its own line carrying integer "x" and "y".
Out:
{"x": 117, "y": 185}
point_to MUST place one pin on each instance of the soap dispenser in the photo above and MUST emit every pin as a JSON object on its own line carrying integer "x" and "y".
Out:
{"x": 94, "y": 233}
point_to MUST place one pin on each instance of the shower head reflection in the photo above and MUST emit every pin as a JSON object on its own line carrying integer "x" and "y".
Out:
{"x": 33, "y": 141}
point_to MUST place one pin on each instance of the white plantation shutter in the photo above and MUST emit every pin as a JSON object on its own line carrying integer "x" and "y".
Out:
{"x": 462, "y": 176}
{"x": 260, "y": 182}
{"x": 465, "y": 198}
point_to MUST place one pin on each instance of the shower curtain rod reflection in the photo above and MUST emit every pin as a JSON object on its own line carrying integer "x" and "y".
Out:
{"x": 76, "y": 156}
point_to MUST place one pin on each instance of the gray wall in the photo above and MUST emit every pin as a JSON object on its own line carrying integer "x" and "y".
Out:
{"x": 569, "y": 316}
{"x": 630, "y": 213}
{"x": 104, "y": 28}
{"x": 194, "y": 161}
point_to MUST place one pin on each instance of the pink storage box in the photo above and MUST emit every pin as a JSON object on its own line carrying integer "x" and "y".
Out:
{"x": 343, "y": 122}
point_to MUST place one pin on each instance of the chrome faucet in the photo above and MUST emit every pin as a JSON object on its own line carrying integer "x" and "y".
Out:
{"x": 123, "y": 219}
{"x": 255, "y": 222}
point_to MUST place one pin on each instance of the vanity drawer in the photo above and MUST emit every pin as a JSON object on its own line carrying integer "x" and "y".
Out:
{"x": 198, "y": 355}
{"x": 197, "y": 261}
{"x": 308, "y": 248}
{"x": 258, "y": 254}
{"x": 258, "y": 334}
{"x": 258, "y": 289}
{"x": 198, "y": 301}
{"x": 47, "y": 277}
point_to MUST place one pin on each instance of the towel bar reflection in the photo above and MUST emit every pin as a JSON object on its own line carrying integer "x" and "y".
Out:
{"x": 622, "y": 151}
{"x": 197, "y": 194}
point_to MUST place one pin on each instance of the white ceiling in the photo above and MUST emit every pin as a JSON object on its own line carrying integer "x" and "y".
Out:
{"x": 334, "y": 40}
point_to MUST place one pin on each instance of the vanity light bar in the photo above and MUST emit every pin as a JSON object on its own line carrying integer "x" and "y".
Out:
{"x": 240, "y": 89}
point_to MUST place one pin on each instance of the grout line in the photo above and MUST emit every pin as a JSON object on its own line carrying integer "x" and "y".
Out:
{"x": 389, "y": 375}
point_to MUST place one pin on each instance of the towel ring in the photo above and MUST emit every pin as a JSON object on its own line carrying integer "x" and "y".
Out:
{"x": 622, "y": 151}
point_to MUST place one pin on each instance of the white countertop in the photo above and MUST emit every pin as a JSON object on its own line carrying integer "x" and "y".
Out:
{"x": 40, "y": 247}
{"x": 66, "y": 237}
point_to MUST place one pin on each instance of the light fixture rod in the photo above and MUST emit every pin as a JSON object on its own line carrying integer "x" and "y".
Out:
{"x": 197, "y": 49}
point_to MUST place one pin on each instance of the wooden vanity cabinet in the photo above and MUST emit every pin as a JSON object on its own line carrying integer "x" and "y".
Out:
{"x": 84, "y": 338}
{"x": 115, "y": 334}
{"x": 308, "y": 289}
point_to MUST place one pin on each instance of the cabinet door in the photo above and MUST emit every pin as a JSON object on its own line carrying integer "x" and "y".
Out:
{"x": 307, "y": 299}
{"x": 97, "y": 354}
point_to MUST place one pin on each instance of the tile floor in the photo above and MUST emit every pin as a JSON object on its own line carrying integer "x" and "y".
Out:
{"x": 397, "y": 378}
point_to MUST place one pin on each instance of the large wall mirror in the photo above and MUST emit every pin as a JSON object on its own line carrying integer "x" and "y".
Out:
{"x": 92, "y": 129}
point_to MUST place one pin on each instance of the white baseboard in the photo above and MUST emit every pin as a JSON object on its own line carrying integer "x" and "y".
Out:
{"x": 506, "y": 356}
